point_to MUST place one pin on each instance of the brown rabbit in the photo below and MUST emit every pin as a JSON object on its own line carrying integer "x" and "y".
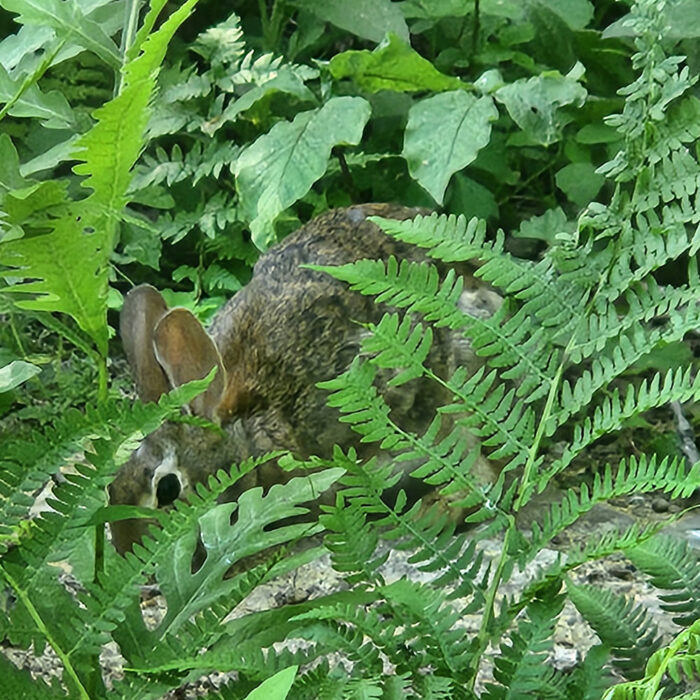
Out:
{"x": 287, "y": 330}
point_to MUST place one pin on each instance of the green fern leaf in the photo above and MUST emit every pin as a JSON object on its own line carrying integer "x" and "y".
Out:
{"x": 613, "y": 411}
{"x": 672, "y": 565}
{"x": 520, "y": 668}
{"x": 641, "y": 475}
{"x": 625, "y": 628}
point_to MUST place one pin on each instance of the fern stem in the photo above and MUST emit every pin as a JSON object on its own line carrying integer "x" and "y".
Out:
{"x": 525, "y": 482}
{"x": 648, "y": 688}
{"x": 523, "y": 488}
{"x": 34, "y": 614}
{"x": 102, "y": 380}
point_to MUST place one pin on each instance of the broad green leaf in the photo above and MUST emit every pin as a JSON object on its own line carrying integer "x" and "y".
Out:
{"x": 510, "y": 9}
{"x": 434, "y": 9}
{"x": 10, "y": 177}
{"x": 275, "y": 688}
{"x": 544, "y": 227}
{"x": 30, "y": 46}
{"x": 368, "y": 19}
{"x": 27, "y": 42}
{"x": 69, "y": 21}
{"x": 67, "y": 269}
{"x": 579, "y": 182}
{"x": 471, "y": 198}
{"x": 19, "y": 683}
{"x": 533, "y": 103}
{"x": 187, "y": 593}
{"x": 280, "y": 167}
{"x": 51, "y": 107}
{"x": 16, "y": 373}
{"x": 597, "y": 133}
{"x": 576, "y": 13}
{"x": 391, "y": 66}
{"x": 49, "y": 159}
{"x": 444, "y": 134}
{"x": 34, "y": 203}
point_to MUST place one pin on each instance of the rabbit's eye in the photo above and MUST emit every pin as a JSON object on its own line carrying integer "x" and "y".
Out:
{"x": 168, "y": 490}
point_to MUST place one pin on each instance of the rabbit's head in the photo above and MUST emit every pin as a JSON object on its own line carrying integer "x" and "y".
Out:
{"x": 166, "y": 348}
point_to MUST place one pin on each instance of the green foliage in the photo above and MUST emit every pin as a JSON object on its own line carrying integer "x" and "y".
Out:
{"x": 38, "y": 255}
{"x": 207, "y": 154}
{"x": 281, "y": 166}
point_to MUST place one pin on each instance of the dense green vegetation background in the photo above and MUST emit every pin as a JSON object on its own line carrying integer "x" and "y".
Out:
{"x": 174, "y": 142}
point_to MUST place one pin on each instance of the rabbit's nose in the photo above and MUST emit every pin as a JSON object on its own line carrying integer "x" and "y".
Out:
{"x": 167, "y": 490}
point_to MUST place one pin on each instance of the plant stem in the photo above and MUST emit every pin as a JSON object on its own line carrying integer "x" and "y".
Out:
{"x": 264, "y": 21}
{"x": 33, "y": 78}
{"x": 34, "y": 614}
{"x": 271, "y": 23}
{"x": 102, "y": 380}
{"x": 131, "y": 18}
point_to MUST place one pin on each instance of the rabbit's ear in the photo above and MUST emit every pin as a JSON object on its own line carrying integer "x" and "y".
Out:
{"x": 187, "y": 352}
{"x": 143, "y": 308}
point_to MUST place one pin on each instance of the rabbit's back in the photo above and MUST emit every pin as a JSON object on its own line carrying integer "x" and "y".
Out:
{"x": 292, "y": 327}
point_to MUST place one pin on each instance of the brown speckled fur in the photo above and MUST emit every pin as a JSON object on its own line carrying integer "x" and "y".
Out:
{"x": 288, "y": 329}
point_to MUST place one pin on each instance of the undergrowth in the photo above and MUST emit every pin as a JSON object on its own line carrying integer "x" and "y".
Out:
{"x": 556, "y": 379}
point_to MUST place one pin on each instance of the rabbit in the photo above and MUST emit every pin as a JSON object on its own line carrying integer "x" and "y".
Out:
{"x": 284, "y": 332}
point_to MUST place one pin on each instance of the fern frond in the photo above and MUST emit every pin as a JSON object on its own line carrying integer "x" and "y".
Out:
{"x": 636, "y": 475}
{"x": 613, "y": 411}
{"x": 679, "y": 660}
{"x": 74, "y": 504}
{"x": 672, "y": 565}
{"x": 625, "y": 628}
{"x": 588, "y": 680}
{"x": 642, "y": 304}
{"x": 652, "y": 243}
{"x": 404, "y": 346}
{"x": 678, "y": 128}
{"x": 422, "y": 632}
{"x": 425, "y": 530}
{"x": 491, "y": 412}
{"x": 447, "y": 238}
{"x": 520, "y": 668}
{"x": 354, "y": 393}
{"x": 222, "y": 44}
{"x": 605, "y": 545}
{"x": 453, "y": 239}
{"x": 415, "y": 287}
{"x": 511, "y": 343}
{"x": 352, "y": 543}
{"x": 27, "y": 465}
